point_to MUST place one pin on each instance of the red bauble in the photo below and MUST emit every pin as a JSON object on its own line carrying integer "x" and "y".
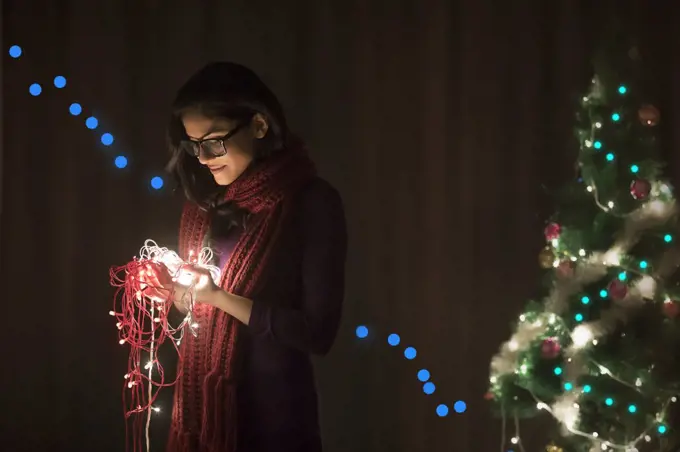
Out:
{"x": 552, "y": 231}
{"x": 640, "y": 188}
{"x": 565, "y": 269}
{"x": 671, "y": 309}
{"x": 550, "y": 348}
{"x": 649, "y": 115}
{"x": 489, "y": 396}
{"x": 617, "y": 290}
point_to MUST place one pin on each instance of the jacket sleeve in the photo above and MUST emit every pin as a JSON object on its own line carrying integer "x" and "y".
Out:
{"x": 312, "y": 328}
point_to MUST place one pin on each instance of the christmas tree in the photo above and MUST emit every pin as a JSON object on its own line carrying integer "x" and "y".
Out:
{"x": 599, "y": 351}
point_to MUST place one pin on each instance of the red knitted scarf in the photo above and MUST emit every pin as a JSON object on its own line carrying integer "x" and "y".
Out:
{"x": 205, "y": 413}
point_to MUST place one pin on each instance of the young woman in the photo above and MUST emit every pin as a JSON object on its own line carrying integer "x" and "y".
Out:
{"x": 278, "y": 233}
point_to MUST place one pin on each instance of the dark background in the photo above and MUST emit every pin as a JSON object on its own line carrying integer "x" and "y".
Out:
{"x": 438, "y": 120}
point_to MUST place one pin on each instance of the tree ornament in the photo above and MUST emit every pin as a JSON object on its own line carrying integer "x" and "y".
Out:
{"x": 552, "y": 231}
{"x": 550, "y": 348}
{"x": 565, "y": 269}
{"x": 617, "y": 290}
{"x": 640, "y": 188}
{"x": 553, "y": 448}
{"x": 489, "y": 396}
{"x": 671, "y": 309}
{"x": 546, "y": 257}
{"x": 649, "y": 115}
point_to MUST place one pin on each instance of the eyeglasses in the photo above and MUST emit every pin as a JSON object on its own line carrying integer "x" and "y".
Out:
{"x": 212, "y": 147}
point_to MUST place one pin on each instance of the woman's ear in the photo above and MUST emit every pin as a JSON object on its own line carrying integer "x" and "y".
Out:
{"x": 259, "y": 126}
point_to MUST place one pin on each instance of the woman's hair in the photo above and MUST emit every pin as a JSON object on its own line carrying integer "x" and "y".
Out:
{"x": 221, "y": 90}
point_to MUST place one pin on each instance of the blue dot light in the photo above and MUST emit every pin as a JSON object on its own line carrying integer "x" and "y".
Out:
{"x": 661, "y": 429}
{"x": 597, "y": 145}
{"x": 623, "y": 89}
{"x": 578, "y": 317}
{"x": 429, "y": 388}
{"x": 643, "y": 264}
{"x": 410, "y": 353}
{"x": 91, "y": 123}
{"x": 35, "y": 89}
{"x": 632, "y": 409}
{"x": 558, "y": 371}
{"x": 75, "y": 109}
{"x": 423, "y": 375}
{"x": 609, "y": 401}
{"x": 460, "y": 407}
{"x": 59, "y": 81}
{"x": 121, "y": 162}
{"x": 603, "y": 293}
{"x": 616, "y": 117}
{"x": 157, "y": 184}
{"x": 393, "y": 339}
{"x": 361, "y": 332}
{"x": 668, "y": 238}
{"x": 568, "y": 386}
{"x": 634, "y": 169}
{"x": 587, "y": 389}
{"x": 610, "y": 157}
{"x": 15, "y": 51}
{"x": 622, "y": 276}
{"x": 585, "y": 299}
{"x": 107, "y": 139}
{"x": 442, "y": 410}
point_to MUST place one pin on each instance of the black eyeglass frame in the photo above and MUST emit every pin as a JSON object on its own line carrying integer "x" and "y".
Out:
{"x": 194, "y": 147}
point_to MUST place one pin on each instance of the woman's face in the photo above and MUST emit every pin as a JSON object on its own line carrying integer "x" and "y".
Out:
{"x": 239, "y": 146}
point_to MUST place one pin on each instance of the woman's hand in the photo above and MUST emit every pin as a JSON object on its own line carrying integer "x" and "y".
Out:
{"x": 160, "y": 284}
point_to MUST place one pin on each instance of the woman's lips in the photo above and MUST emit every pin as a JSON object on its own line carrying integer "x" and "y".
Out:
{"x": 216, "y": 169}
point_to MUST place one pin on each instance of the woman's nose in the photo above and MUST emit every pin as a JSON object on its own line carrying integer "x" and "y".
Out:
{"x": 204, "y": 157}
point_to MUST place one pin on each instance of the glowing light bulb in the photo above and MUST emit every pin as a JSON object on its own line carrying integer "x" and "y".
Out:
{"x": 646, "y": 286}
{"x": 111, "y": 313}
{"x": 612, "y": 257}
{"x": 589, "y": 188}
{"x": 514, "y": 440}
{"x": 610, "y": 204}
{"x": 121, "y": 342}
{"x": 581, "y": 336}
{"x": 156, "y": 409}
{"x": 581, "y": 252}
{"x": 598, "y": 125}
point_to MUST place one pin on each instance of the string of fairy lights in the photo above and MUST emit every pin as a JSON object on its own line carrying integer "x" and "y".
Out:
{"x": 575, "y": 270}
{"x": 422, "y": 375}
{"x": 76, "y": 109}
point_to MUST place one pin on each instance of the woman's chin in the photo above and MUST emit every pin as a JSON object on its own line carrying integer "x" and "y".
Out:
{"x": 222, "y": 179}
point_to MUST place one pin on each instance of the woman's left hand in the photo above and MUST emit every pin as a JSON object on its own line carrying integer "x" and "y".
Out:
{"x": 160, "y": 284}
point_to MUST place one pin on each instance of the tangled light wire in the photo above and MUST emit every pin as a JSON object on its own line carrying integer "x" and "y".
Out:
{"x": 142, "y": 322}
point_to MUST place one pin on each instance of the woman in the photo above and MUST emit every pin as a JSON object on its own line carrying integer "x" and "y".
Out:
{"x": 278, "y": 233}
